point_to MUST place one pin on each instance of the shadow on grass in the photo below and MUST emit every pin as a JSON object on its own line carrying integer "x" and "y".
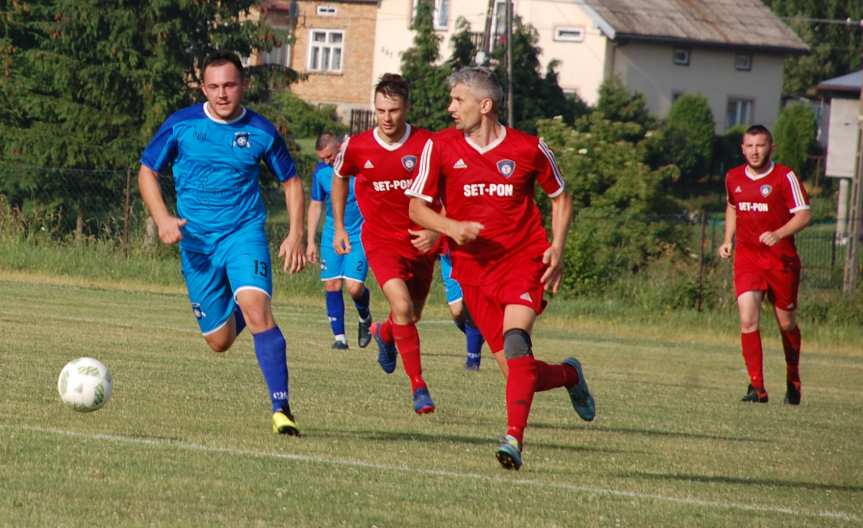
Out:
{"x": 650, "y": 432}
{"x": 429, "y": 438}
{"x": 742, "y": 481}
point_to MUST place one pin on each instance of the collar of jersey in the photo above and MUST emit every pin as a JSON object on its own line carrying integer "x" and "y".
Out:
{"x": 222, "y": 121}
{"x": 756, "y": 177}
{"x": 493, "y": 144}
{"x": 397, "y": 144}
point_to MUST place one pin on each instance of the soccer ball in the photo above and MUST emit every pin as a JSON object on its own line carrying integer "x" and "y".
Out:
{"x": 84, "y": 384}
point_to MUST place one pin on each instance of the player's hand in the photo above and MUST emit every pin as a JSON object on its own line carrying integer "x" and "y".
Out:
{"x": 464, "y": 232}
{"x": 554, "y": 272}
{"x": 424, "y": 240}
{"x": 725, "y": 250}
{"x": 341, "y": 241}
{"x": 311, "y": 252}
{"x": 292, "y": 252}
{"x": 170, "y": 229}
{"x": 769, "y": 238}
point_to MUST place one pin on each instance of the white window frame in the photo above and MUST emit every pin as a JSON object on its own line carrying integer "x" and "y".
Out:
{"x": 681, "y": 56}
{"x": 742, "y": 114}
{"x": 326, "y": 10}
{"x": 743, "y": 61}
{"x": 280, "y": 55}
{"x": 328, "y": 46}
{"x": 440, "y": 23}
{"x": 569, "y": 33}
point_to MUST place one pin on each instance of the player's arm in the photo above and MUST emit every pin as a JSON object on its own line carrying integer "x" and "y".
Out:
{"x": 730, "y": 229}
{"x": 314, "y": 216}
{"x": 561, "y": 217}
{"x": 168, "y": 225}
{"x": 339, "y": 195}
{"x": 292, "y": 246}
{"x": 797, "y": 222}
{"x": 424, "y": 215}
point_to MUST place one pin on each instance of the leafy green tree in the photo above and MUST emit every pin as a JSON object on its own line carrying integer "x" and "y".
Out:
{"x": 834, "y": 48}
{"x": 429, "y": 91}
{"x": 689, "y": 137}
{"x": 794, "y": 135}
{"x": 86, "y": 83}
{"x": 463, "y": 49}
{"x": 618, "y": 105}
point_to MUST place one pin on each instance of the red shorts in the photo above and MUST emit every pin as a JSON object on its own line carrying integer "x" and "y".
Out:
{"x": 388, "y": 261}
{"x": 781, "y": 285}
{"x": 515, "y": 282}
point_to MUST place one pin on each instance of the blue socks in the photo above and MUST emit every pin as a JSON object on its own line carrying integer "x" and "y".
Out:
{"x": 336, "y": 312}
{"x": 362, "y": 305}
{"x": 474, "y": 340}
{"x": 270, "y": 348}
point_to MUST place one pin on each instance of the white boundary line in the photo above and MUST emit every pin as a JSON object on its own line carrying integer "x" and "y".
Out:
{"x": 403, "y": 468}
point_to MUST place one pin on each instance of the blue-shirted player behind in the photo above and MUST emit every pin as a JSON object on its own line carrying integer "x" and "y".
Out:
{"x": 460, "y": 316}
{"x": 350, "y": 268}
{"x": 215, "y": 150}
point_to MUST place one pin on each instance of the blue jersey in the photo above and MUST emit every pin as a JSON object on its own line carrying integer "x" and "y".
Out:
{"x": 216, "y": 165}
{"x": 322, "y": 186}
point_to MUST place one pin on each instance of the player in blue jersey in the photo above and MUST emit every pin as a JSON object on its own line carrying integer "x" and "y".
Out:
{"x": 460, "y": 315}
{"x": 350, "y": 268}
{"x": 214, "y": 151}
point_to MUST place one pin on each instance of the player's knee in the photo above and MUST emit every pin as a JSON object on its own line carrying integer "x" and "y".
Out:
{"x": 516, "y": 343}
{"x": 748, "y": 325}
{"x": 355, "y": 289}
{"x": 219, "y": 343}
{"x": 786, "y": 325}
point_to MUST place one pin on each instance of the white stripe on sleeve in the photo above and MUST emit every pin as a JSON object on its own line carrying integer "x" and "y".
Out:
{"x": 340, "y": 158}
{"x": 555, "y": 169}
{"x": 416, "y": 188}
{"x": 799, "y": 201}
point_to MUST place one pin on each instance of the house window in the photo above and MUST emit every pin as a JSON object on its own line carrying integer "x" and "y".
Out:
{"x": 743, "y": 61}
{"x": 569, "y": 34}
{"x": 440, "y": 15}
{"x": 281, "y": 55}
{"x": 326, "y": 50}
{"x": 738, "y": 111}
{"x": 680, "y": 56}
{"x": 498, "y": 23}
{"x": 326, "y": 10}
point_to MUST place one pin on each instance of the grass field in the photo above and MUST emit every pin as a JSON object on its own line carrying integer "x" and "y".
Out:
{"x": 185, "y": 440}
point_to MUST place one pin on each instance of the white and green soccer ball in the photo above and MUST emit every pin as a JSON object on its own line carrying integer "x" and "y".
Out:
{"x": 85, "y": 384}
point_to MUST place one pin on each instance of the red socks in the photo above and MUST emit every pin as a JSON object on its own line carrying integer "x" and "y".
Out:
{"x": 753, "y": 356}
{"x": 408, "y": 344}
{"x": 791, "y": 342}
{"x": 520, "y": 387}
{"x": 554, "y": 376}
{"x": 386, "y": 330}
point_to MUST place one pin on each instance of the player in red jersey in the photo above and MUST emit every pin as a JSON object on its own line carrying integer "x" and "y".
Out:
{"x": 485, "y": 174}
{"x": 401, "y": 254}
{"x": 767, "y": 205}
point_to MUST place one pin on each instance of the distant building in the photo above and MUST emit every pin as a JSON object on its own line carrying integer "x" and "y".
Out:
{"x": 843, "y": 96}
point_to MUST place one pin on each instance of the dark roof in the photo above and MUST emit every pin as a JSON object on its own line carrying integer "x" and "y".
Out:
{"x": 716, "y": 23}
{"x": 285, "y": 5}
{"x": 849, "y": 83}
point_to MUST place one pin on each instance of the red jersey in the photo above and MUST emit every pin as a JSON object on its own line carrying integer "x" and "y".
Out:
{"x": 493, "y": 185}
{"x": 383, "y": 172}
{"x": 764, "y": 203}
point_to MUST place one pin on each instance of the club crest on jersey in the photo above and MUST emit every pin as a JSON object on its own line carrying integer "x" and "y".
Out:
{"x": 196, "y": 309}
{"x": 241, "y": 140}
{"x": 409, "y": 162}
{"x": 506, "y": 167}
{"x": 765, "y": 190}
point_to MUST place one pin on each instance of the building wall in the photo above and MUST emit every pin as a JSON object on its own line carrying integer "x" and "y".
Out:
{"x": 649, "y": 69}
{"x": 349, "y": 88}
{"x": 843, "y": 131}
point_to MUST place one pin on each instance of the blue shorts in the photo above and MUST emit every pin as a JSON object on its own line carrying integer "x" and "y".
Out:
{"x": 239, "y": 261}
{"x": 352, "y": 266}
{"x": 450, "y": 286}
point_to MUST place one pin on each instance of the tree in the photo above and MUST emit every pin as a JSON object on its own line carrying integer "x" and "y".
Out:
{"x": 86, "y": 83}
{"x": 689, "y": 136}
{"x": 834, "y": 48}
{"x": 618, "y": 105}
{"x": 794, "y": 136}
{"x": 463, "y": 49}
{"x": 429, "y": 91}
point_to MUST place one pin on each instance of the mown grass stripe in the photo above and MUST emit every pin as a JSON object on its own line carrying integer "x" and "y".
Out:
{"x": 404, "y": 468}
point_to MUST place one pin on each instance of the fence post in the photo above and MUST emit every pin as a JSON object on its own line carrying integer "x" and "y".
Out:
{"x": 127, "y": 211}
{"x": 700, "y": 304}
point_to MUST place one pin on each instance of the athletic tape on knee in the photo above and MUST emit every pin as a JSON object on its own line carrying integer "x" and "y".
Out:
{"x": 516, "y": 343}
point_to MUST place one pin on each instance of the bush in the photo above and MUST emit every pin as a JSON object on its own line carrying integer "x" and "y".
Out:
{"x": 794, "y": 137}
{"x": 689, "y": 134}
{"x": 297, "y": 118}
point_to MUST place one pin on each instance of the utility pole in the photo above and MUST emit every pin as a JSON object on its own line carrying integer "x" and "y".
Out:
{"x": 509, "y": 111}
{"x": 852, "y": 266}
